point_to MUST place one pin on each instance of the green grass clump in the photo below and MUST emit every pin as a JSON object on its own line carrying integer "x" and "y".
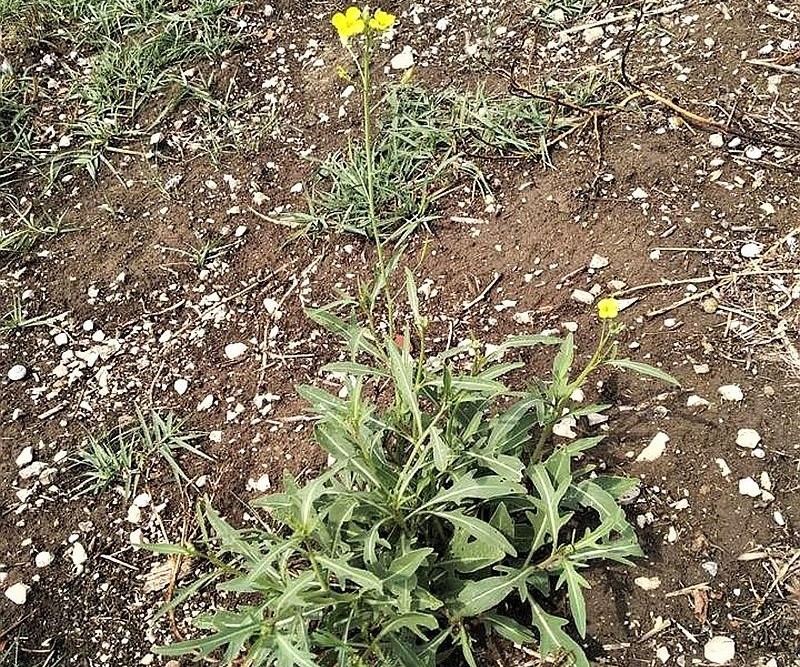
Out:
{"x": 426, "y": 144}
{"x": 134, "y": 51}
{"x": 120, "y": 456}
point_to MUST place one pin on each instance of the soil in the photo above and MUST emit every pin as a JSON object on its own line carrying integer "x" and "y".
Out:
{"x": 650, "y": 201}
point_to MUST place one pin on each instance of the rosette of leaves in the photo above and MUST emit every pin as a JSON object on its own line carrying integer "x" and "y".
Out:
{"x": 434, "y": 526}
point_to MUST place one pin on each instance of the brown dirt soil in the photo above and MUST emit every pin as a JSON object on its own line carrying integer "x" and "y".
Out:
{"x": 721, "y": 557}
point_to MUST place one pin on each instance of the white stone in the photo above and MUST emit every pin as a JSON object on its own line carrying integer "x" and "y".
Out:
{"x": 777, "y": 517}
{"x": 719, "y": 650}
{"x": 17, "y": 372}
{"x": 134, "y": 514}
{"x": 263, "y": 483}
{"x": 592, "y": 35}
{"x": 639, "y": 193}
{"x": 695, "y": 401}
{"x": 180, "y": 386}
{"x": 206, "y": 403}
{"x": 716, "y": 140}
{"x": 61, "y": 339}
{"x": 731, "y": 392}
{"x": 564, "y": 428}
{"x": 598, "y": 262}
{"x": 723, "y": 467}
{"x": 748, "y": 438}
{"x": 753, "y": 152}
{"x": 582, "y": 296}
{"x": 711, "y": 567}
{"x": 749, "y": 487}
{"x": 270, "y": 305}
{"x": 43, "y": 559}
{"x": 751, "y": 250}
{"x": 647, "y": 583}
{"x": 18, "y": 593}
{"x": 403, "y": 60}
{"x": 25, "y": 457}
{"x": 768, "y": 208}
{"x": 557, "y": 15}
{"x": 765, "y": 481}
{"x": 142, "y": 500}
{"x": 78, "y": 557}
{"x": 235, "y": 350}
{"x": 655, "y": 449}
{"x": 662, "y": 653}
{"x": 32, "y": 470}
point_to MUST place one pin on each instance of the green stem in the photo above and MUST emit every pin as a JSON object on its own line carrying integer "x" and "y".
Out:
{"x": 597, "y": 358}
{"x": 364, "y": 70}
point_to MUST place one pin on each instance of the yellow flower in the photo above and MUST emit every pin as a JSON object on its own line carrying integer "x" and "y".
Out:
{"x": 381, "y": 20}
{"x": 348, "y": 24}
{"x": 608, "y": 309}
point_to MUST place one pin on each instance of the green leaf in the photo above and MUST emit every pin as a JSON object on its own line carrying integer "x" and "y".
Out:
{"x": 478, "y": 597}
{"x": 575, "y": 585}
{"x": 562, "y": 364}
{"x": 501, "y": 519}
{"x": 643, "y": 369}
{"x": 230, "y": 539}
{"x": 289, "y": 654}
{"x": 472, "y": 383}
{"x": 491, "y": 486}
{"x": 309, "y": 494}
{"x": 499, "y": 370}
{"x": 353, "y": 368}
{"x": 343, "y": 570}
{"x": 506, "y": 423}
{"x": 549, "y": 500}
{"x": 184, "y": 594}
{"x": 411, "y": 621}
{"x": 509, "y": 628}
{"x": 575, "y": 447}
{"x": 470, "y": 555}
{"x": 441, "y": 452}
{"x": 480, "y": 530}
{"x": 615, "y": 485}
{"x": 411, "y": 293}
{"x": 466, "y": 649}
{"x": 290, "y": 595}
{"x": 406, "y": 565}
{"x": 506, "y": 466}
{"x": 321, "y": 401}
{"x": 522, "y": 341}
{"x": 400, "y": 364}
{"x": 553, "y": 640}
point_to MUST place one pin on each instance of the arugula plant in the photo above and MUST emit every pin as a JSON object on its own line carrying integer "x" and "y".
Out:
{"x": 447, "y": 513}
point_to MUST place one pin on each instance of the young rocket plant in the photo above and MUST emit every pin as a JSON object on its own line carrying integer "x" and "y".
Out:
{"x": 444, "y": 517}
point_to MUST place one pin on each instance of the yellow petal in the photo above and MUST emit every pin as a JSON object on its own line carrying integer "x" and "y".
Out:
{"x": 353, "y": 14}
{"x": 382, "y": 20}
{"x": 339, "y": 21}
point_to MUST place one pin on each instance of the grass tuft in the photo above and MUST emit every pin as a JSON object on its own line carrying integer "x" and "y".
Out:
{"x": 120, "y": 456}
{"x": 426, "y": 144}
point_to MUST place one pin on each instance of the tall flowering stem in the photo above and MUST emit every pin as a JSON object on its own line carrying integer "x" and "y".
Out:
{"x": 351, "y": 23}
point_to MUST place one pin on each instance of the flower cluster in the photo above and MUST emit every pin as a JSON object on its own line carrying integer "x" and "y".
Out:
{"x": 354, "y": 21}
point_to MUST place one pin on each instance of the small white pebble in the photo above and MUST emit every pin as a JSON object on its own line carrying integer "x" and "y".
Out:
{"x": 731, "y": 392}
{"x": 18, "y": 593}
{"x": 749, "y": 487}
{"x": 43, "y": 559}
